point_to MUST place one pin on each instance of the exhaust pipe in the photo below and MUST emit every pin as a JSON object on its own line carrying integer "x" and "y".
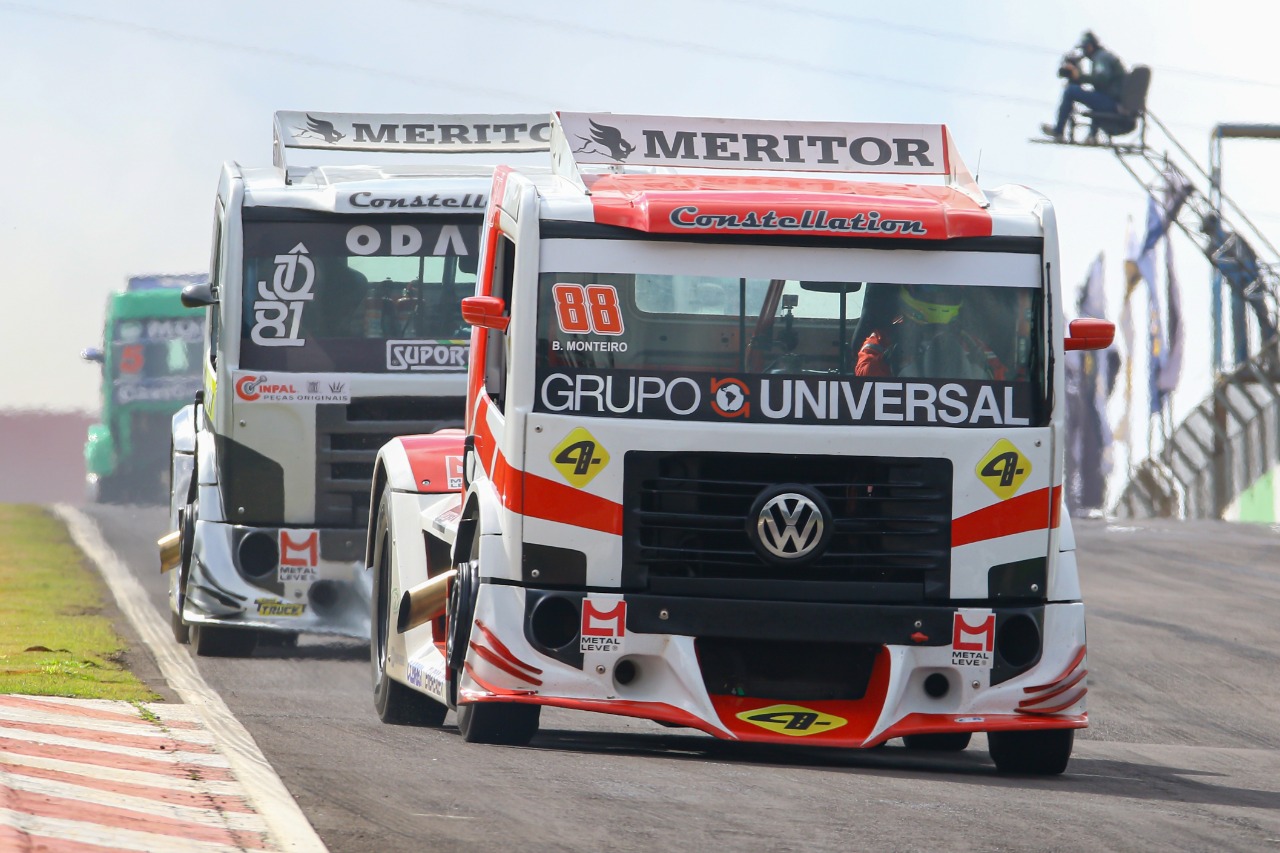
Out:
{"x": 424, "y": 602}
{"x": 170, "y": 550}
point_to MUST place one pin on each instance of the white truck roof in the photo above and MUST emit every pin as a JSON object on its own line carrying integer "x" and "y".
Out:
{"x": 620, "y": 169}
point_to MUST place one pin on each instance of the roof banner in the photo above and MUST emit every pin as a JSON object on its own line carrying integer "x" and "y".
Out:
{"x": 417, "y": 133}
{"x": 891, "y": 149}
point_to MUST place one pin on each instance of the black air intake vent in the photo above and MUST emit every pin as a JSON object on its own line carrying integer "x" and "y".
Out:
{"x": 685, "y": 528}
{"x": 347, "y": 442}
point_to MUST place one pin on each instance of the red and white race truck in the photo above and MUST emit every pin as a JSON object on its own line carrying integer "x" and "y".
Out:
{"x": 757, "y": 443}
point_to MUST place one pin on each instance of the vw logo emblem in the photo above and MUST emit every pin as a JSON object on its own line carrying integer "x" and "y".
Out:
{"x": 789, "y": 524}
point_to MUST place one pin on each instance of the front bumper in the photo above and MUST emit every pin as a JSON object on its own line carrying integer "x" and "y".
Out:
{"x": 297, "y": 588}
{"x": 723, "y": 667}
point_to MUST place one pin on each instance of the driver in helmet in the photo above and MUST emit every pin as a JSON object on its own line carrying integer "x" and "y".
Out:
{"x": 926, "y": 340}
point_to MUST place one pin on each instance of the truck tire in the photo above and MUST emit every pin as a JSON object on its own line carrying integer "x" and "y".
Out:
{"x": 939, "y": 742}
{"x": 181, "y": 630}
{"x": 459, "y": 614}
{"x": 186, "y": 544}
{"x": 110, "y": 489}
{"x": 396, "y": 703}
{"x": 505, "y": 723}
{"x": 216, "y": 641}
{"x": 1042, "y": 752}
{"x": 278, "y": 639}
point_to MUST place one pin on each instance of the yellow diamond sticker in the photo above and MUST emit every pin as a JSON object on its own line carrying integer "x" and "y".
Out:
{"x": 792, "y": 720}
{"x": 1004, "y": 469}
{"x": 579, "y": 457}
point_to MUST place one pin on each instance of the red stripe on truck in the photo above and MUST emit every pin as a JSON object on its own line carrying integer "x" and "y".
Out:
{"x": 1033, "y": 511}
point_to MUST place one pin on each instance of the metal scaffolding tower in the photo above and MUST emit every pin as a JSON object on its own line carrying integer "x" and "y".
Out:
{"x": 1238, "y": 326}
{"x": 1233, "y": 437}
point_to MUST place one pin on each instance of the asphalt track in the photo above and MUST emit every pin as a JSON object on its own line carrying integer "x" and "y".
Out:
{"x": 1183, "y": 752}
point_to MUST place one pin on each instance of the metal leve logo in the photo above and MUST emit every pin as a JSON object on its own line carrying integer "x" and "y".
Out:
{"x": 789, "y": 524}
{"x": 792, "y": 720}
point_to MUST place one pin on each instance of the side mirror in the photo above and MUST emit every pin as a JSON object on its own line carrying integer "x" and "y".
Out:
{"x": 1089, "y": 334}
{"x": 198, "y": 295}
{"x": 92, "y": 354}
{"x": 486, "y": 312}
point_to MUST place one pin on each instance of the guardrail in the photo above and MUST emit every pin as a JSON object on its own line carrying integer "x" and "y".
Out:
{"x": 1228, "y": 442}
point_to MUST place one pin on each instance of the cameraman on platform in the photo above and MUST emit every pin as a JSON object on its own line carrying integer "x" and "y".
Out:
{"x": 1106, "y": 75}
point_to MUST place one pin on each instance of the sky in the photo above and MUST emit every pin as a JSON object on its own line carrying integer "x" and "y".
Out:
{"x": 117, "y": 116}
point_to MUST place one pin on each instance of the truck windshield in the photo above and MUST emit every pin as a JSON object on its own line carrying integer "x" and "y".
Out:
{"x": 156, "y": 359}
{"x": 663, "y": 344}
{"x": 357, "y": 296}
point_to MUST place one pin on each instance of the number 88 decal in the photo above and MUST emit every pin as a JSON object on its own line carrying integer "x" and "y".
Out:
{"x": 585, "y": 309}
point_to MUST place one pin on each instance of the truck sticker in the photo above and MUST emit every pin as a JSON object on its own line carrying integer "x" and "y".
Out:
{"x": 579, "y": 345}
{"x": 160, "y": 330}
{"x": 579, "y": 457}
{"x": 706, "y": 142}
{"x": 792, "y": 720}
{"x": 729, "y": 398}
{"x": 783, "y": 399}
{"x": 299, "y": 555}
{"x": 297, "y": 574}
{"x": 815, "y": 221}
{"x": 447, "y": 521}
{"x": 187, "y": 329}
{"x": 435, "y": 201}
{"x": 429, "y": 677}
{"x": 291, "y": 388}
{"x": 414, "y": 356}
{"x": 277, "y": 313}
{"x": 453, "y": 473}
{"x": 405, "y": 240}
{"x": 603, "y": 630}
{"x": 423, "y": 133}
{"x": 131, "y": 358}
{"x": 166, "y": 389}
{"x": 1004, "y": 469}
{"x": 276, "y": 607}
{"x": 973, "y": 638}
{"x": 588, "y": 309}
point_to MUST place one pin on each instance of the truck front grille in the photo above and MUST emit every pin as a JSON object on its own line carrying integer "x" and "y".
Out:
{"x": 685, "y": 528}
{"x": 347, "y": 442}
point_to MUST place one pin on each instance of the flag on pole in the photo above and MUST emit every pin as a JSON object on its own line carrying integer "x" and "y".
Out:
{"x": 1140, "y": 266}
{"x": 1171, "y": 369}
{"x": 1090, "y": 378}
{"x": 1127, "y": 336}
{"x": 1164, "y": 362}
{"x": 1175, "y": 192}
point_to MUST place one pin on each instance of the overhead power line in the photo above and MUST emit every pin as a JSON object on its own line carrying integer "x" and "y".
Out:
{"x": 453, "y": 84}
{"x": 754, "y": 58}
{"x": 465, "y": 7}
{"x": 984, "y": 41}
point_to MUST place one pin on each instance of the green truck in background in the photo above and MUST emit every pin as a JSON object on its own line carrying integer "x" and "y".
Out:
{"x": 150, "y": 359}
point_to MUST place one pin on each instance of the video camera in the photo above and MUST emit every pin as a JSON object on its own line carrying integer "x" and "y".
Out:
{"x": 1070, "y": 65}
{"x": 1069, "y": 68}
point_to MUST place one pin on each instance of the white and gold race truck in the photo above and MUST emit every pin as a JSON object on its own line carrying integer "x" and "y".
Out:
{"x": 333, "y": 324}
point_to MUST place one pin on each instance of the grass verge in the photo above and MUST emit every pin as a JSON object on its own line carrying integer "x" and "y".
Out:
{"x": 54, "y": 639}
